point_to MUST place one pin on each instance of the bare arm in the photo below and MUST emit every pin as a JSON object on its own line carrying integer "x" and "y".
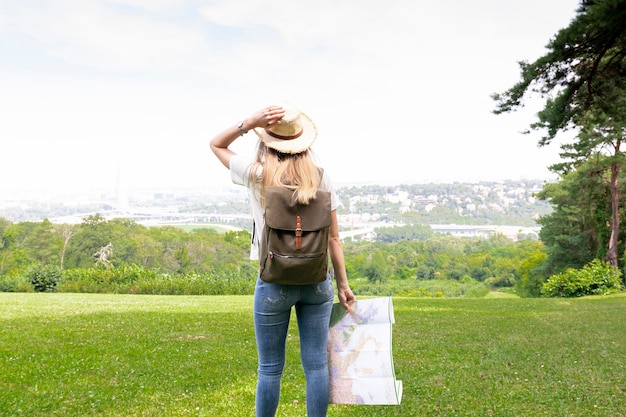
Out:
{"x": 262, "y": 118}
{"x": 336, "y": 255}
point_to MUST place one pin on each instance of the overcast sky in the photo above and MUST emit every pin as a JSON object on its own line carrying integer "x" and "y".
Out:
{"x": 400, "y": 89}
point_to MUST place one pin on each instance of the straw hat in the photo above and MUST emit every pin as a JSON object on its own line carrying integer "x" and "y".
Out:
{"x": 295, "y": 133}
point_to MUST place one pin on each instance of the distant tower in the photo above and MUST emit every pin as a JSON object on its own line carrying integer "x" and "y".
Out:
{"x": 122, "y": 196}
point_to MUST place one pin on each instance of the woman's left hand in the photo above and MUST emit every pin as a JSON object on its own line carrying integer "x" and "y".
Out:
{"x": 346, "y": 297}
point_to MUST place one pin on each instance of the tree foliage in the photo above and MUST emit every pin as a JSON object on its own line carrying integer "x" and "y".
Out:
{"x": 583, "y": 79}
{"x": 407, "y": 232}
{"x": 583, "y": 61}
{"x": 496, "y": 261}
{"x": 117, "y": 242}
{"x": 167, "y": 257}
{"x": 575, "y": 232}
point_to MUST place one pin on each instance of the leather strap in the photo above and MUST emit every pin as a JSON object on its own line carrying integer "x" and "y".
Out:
{"x": 298, "y": 231}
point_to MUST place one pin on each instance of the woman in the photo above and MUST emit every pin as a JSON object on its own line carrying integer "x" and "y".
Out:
{"x": 284, "y": 159}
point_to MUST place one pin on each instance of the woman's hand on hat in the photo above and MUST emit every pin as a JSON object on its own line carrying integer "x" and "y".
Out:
{"x": 266, "y": 117}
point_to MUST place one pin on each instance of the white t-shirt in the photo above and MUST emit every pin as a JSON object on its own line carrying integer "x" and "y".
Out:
{"x": 239, "y": 169}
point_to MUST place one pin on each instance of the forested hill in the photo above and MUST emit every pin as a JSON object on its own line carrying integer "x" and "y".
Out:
{"x": 483, "y": 203}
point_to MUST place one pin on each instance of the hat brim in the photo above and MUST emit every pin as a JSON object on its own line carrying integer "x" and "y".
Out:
{"x": 291, "y": 146}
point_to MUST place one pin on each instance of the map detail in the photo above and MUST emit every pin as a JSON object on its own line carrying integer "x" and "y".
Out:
{"x": 359, "y": 354}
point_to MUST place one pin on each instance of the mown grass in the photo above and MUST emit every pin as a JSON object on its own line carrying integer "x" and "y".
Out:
{"x": 136, "y": 355}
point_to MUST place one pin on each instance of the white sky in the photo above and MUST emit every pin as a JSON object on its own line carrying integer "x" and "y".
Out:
{"x": 400, "y": 89}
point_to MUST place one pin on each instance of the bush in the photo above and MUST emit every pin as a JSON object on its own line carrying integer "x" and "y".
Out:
{"x": 595, "y": 278}
{"x": 15, "y": 283}
{"x": 44, "y": 278}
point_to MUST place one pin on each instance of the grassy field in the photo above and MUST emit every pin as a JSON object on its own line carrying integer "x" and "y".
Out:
{"x": 131, "y": 355}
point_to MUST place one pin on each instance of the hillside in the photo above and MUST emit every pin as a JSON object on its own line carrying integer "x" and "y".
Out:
{"x": 483, "y": 203}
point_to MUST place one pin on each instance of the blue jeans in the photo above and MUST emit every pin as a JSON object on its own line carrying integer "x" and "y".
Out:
{"x": 272, "y": 310}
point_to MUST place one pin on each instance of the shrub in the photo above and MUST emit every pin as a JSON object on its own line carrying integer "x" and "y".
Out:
{"x": 44, "y": 278}
{"x": 135, "y": 279}
{"x": 15, "y": 283}
{"x": 595, "y": 278}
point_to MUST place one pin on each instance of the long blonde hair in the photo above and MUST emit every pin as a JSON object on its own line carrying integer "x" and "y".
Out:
{"x": 295, "y": 171}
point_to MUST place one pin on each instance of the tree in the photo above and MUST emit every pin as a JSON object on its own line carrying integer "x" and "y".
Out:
{"x": 400, "y": 233}
{"x": 25, "y": 243}
{"x": 583, "y": 78}
{"x": 91, "y": 235}
{"x": 576, "y": 231}
{"x": 66, "y": 231}
{"x": 4, "y": 242}
{"x": 102, "y": 256}
{"x": 379, "y": 270}
{"x": 531, "y": 279}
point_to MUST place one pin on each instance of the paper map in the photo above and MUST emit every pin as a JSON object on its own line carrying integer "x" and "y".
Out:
{"x": 360, "y": 356}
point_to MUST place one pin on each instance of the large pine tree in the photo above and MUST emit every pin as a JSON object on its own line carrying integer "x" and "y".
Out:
{"x": 583, "y": 81}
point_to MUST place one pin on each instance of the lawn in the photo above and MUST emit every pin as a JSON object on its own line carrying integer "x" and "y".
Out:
{"x": 134, "y": 355}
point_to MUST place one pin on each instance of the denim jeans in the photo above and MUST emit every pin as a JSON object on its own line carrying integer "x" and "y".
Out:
{"x": 272, "y": 310}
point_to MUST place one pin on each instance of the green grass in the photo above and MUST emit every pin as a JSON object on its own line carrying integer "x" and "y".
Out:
{"x": 133, "y": 355}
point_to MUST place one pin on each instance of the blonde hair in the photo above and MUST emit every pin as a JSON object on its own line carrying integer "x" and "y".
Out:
{"x": 294, "y": 171}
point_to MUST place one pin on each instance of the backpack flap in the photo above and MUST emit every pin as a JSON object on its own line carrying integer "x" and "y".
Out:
{"x": 281, "y": 210}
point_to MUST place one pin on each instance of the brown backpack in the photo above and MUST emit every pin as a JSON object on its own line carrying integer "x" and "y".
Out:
{"x": 294, "y": 243}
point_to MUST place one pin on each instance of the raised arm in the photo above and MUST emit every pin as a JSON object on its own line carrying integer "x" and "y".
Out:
{"x": 265, "y": 117}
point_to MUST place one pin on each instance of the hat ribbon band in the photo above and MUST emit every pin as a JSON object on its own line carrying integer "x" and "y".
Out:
{"x": 281, "y": 137}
